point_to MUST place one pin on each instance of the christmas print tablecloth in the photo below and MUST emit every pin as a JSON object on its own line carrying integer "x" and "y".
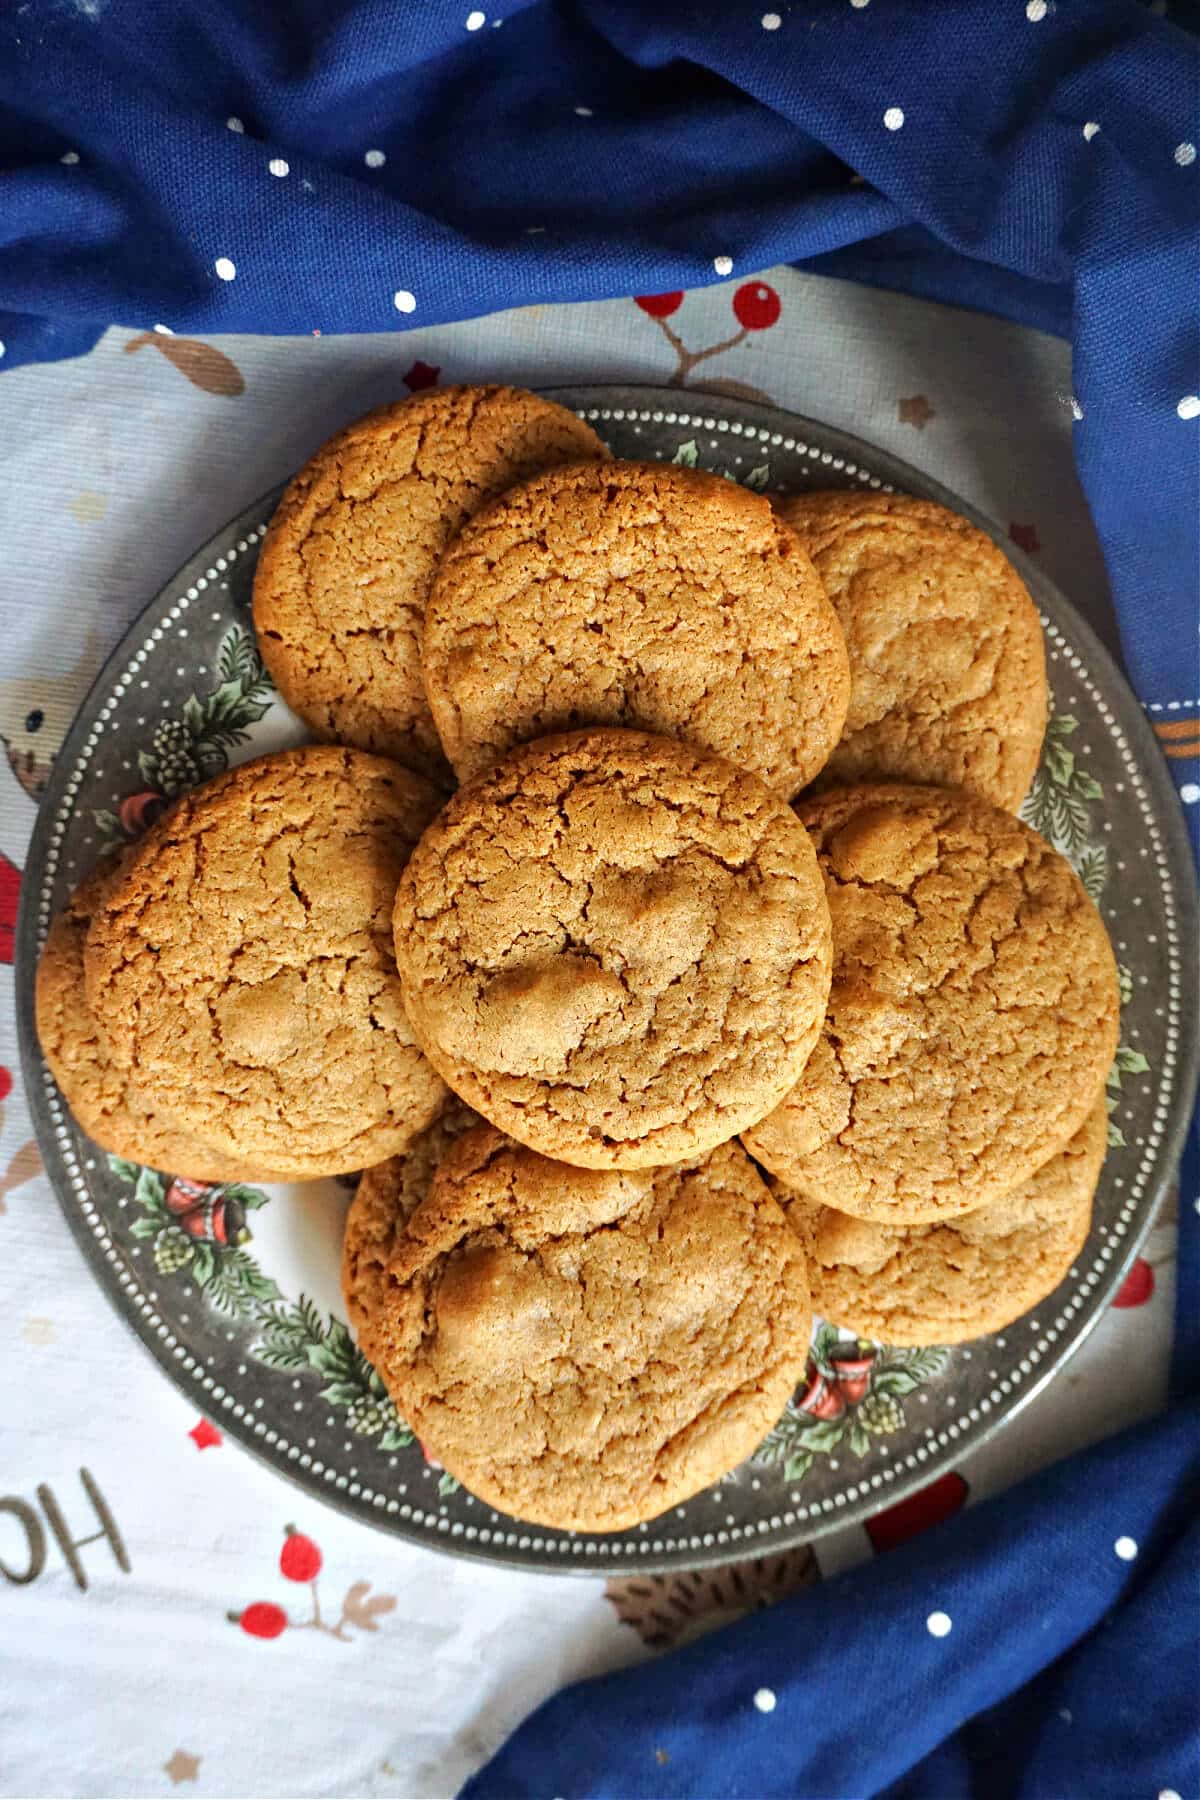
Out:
{"x": 173, "y": 1615}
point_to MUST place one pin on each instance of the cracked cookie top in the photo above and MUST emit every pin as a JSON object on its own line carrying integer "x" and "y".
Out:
{"x": 945, "y": 1284}
{"x": 947, "y": 664}
{"x": 585, "y": 1348}
{"x": 386, "y": 1197}
{"x": 100, "y": 1095}
{"x": 241, "y": 963}
{"x": 345, "y": 568}
{"x": 615, "y": 948}
{"x": 641, "y": 595}
{"x": 973, "y": 1014}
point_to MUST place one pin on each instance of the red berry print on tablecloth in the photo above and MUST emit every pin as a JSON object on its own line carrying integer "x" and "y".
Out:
{"x": 1025, "y": 537}
{"x": 299, "y": 1560}
{"x": 6, "y": 1082}
{"x": 421, "y": 375}
{"x": 757, "y": 306}
{"x": 660, "y": 306}
{"x": 896, "y": 1524}
{"x": 10, "y": 895}
{"x": 205, "y": 1436}
{"x": 1138, "y": 1285}
{"x": 262, "y": 1620}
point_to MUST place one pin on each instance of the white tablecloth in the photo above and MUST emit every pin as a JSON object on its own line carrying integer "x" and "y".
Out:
{"x": 116, "y": 468}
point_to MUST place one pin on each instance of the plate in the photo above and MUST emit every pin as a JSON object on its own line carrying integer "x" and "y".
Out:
{"x": 253, "y": 1332}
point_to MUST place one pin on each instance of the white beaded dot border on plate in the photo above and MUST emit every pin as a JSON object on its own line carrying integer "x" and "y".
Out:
{"x": 1026, "y": 1377}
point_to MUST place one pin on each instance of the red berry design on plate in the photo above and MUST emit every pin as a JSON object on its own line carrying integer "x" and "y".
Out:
{"x": 299, "y": 1560}
{"x": 660, "y": 306}
{"x": 262, "y": 1620}
{"x": 1137, "y": 1286}
{"x": 756, "y": 306}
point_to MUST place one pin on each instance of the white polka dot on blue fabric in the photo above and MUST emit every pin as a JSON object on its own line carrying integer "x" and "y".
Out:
{"x": 583, "y": 112}
{"x": 235, "y": 125}
{"x": 1168, "y": 1794}
{"x": 764, "y": 1699}
{"x": 1189, "y": 407}
{"x": 374, "y": 159}
{"x": 164, "y": 331}
{"x": 1036, "y": 11}
{"x": 278, "y": 166}
{"x": 1126, "y": 1548}
{"x": 475, "y": 20}
{"x": 771, "y": 21}
{"x": 723, "y": 265}
{"x": 1189, "y": 793}
{"x": 859, "y": 4}
{"x": 1090, "y": 129}
{"x": 893, "y": 118}
{"x": 1076, "y": 409}
{"x": 1185, "y": 154}
{"x": 69, "y": 158}
{"x": 3, "y": 347}
{"x": 938, "y": 1624}
{"x": 403, "y": 301}
{"x": 225, "y": 268}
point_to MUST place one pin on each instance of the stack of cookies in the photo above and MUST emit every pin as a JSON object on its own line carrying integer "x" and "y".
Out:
{"x": 644, "y": 1057}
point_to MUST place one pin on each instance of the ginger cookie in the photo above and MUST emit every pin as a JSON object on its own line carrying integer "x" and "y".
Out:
{"x": 635, "y": 594}
{"x": 945, "y": 1284}
{"x": 947, "y": 665}
{"x": 99, "y": 1095}
{"x": 346, "y": 564}
{"x": 973, "y": 1014}
{"x": 384, "y": 1200}
{"x": 615, "y": 948}
{"x": 584, "y": 1348}
{"x": 241, "y": 964}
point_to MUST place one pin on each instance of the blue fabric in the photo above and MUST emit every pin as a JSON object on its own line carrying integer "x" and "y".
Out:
{"x": 1067, "y": 1672}
{"x": 606, "y": 147}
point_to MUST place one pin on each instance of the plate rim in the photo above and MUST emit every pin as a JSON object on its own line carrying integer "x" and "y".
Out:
{"x": 1181, "y": 881}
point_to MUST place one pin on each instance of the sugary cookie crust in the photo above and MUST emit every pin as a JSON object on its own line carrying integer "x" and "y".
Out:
{"x": 945, "y": 1284}
{"x": 586, "y": 1348}
{"x": 614, "y": 948}
{"x": 344, "y": 571}
{"x": 973, "y": 1013}
{"x": 241, "y": 966}
{"x": 635, "y": 594}
{"x": 947, "y": 663}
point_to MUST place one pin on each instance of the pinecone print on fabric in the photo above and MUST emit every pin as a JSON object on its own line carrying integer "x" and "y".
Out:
{"x": 172, "y": 1248}
{"x": 171, "y": 747}
{"x": 881, "y": 1414}
{"x": 669, "y": 1610}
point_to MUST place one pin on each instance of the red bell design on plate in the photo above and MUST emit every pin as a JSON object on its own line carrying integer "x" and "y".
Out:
{"x": 820, "y": 1398}
{"x": 852, "y": 1367}
{"x": 206, "y": 1212}
{"x": 137, "y": 812}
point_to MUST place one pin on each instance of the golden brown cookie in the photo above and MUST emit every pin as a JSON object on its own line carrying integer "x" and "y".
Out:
{"x": 615, "y": 948}
{"x": 99, "y": 1095}
{"x": 973, "y": 1014}
{"x": 944, "y": 1284}
{"x": 385, "y": 1199}
{"x": 345, "y": 567}
{"x": 635, "y": 594}
{"x": 586, "y": 1348}
{"x": 241, "y": 964}
{"x": 947, "y": 664}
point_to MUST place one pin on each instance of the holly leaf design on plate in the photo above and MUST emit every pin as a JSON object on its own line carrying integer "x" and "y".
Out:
{"x": 687, "y": 455}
